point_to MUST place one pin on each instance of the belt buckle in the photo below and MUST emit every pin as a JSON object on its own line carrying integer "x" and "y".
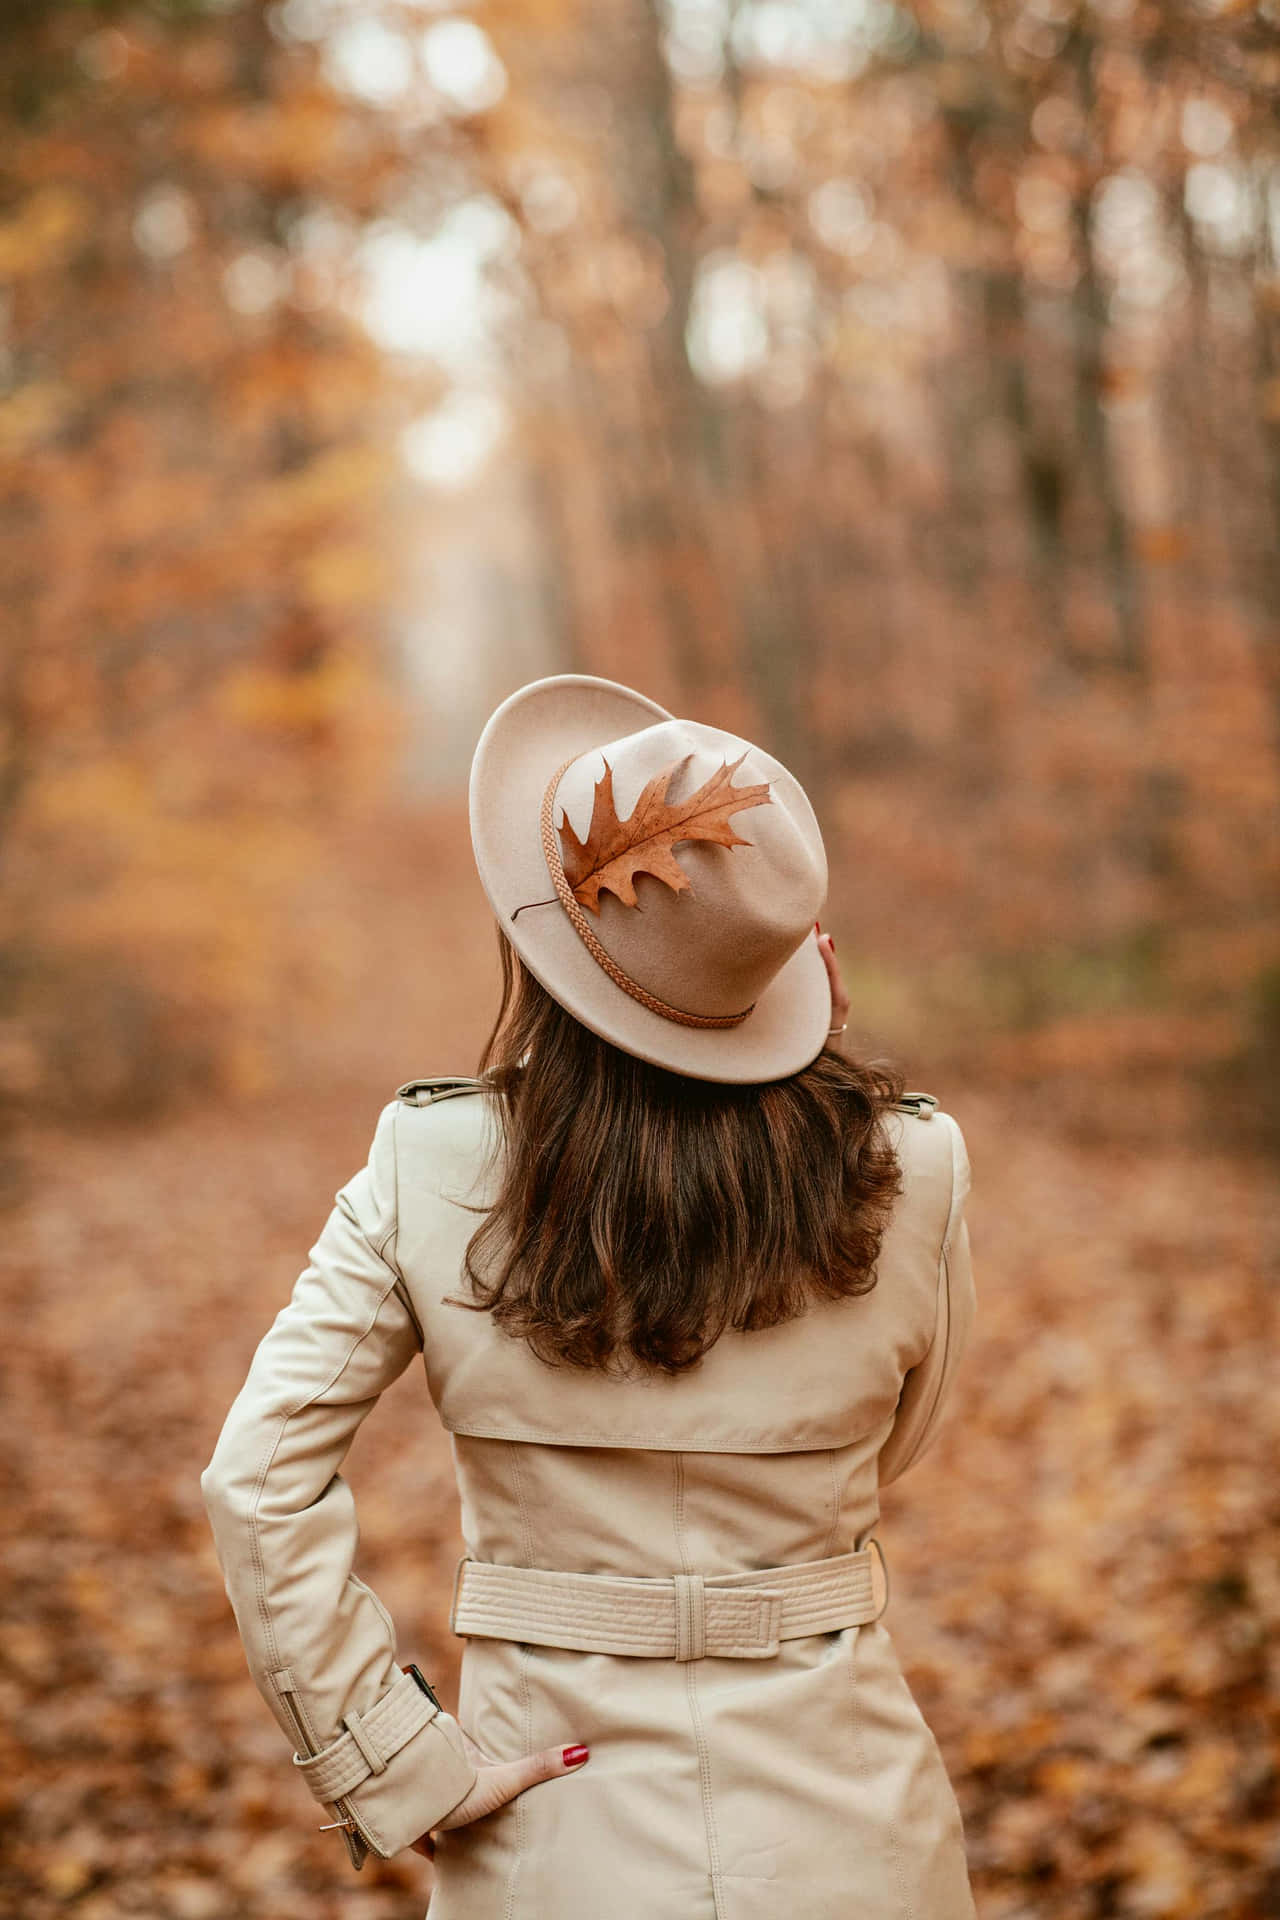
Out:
{"x": 770, "y": 1622}
{"x": 765, "y": 1630}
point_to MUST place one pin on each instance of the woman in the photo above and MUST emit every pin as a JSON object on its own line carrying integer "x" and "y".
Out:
{"x": 689, "y": 1287}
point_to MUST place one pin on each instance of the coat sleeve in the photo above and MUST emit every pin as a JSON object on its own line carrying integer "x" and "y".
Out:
{"x": 928, "y": 1385}
{"x": 372, "y": 1746}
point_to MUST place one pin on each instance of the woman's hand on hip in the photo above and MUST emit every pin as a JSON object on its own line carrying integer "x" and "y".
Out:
{"x": 839, "y": 996}
{"x": 499, "y": 1781}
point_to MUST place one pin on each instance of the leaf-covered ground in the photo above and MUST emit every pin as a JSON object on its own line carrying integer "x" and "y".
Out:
{"x": 1086, "y": 1585}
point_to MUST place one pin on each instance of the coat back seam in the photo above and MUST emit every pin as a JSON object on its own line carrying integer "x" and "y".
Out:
{"x": 837, "y": 1504}
{"x": 695, "y": 1710}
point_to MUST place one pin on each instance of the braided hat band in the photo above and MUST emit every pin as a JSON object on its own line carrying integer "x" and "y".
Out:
{"x": 581, "y": 925}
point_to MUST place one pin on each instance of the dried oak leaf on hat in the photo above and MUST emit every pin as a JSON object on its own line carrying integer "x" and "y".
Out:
{"x": 615, "y": 851}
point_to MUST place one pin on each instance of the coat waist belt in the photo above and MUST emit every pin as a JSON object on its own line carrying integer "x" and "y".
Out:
{"x": 685, "y": 1616}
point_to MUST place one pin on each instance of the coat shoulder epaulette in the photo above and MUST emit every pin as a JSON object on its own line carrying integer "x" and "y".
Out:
{"x": 923, "y": 1105}
{"x": 424, "y": 1093}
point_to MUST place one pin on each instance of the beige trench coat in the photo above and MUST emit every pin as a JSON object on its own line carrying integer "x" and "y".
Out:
{"x": 804, "y": 1784}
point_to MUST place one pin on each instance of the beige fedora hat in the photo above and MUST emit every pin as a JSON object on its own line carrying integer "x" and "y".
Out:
{"x": 661, "y": 878}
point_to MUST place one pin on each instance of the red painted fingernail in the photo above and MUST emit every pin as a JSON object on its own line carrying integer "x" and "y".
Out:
{"x": 574, "y": 1756}
{"x": 817, "y": 926}
{"x": 831, "y": 937}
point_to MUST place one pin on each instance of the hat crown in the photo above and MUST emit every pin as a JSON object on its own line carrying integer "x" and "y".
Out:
{"x": 671, "y": 978}
{"x": 712, "y": 947}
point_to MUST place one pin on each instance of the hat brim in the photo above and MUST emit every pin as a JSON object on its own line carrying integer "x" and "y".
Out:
{"x": 525, "y": 740}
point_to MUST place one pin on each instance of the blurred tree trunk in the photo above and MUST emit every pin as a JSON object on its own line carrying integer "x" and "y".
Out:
{"x": 1042, "y": 469}
{"x": 998, "y": 387}
{"x": 1267, "y": 558}
{"x": 1091, "y": 326}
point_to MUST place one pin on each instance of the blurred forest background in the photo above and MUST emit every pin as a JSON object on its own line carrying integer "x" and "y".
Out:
{"x": 896, "y": 383}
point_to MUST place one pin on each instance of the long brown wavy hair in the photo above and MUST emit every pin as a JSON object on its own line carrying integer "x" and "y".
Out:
{"x": 641, "y": 1213}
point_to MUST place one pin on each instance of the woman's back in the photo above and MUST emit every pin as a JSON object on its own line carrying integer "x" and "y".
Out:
{"x": 799, "y": 1774}
{"x": 689, "y": 1288}
{"x": 831, "y": 1377}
